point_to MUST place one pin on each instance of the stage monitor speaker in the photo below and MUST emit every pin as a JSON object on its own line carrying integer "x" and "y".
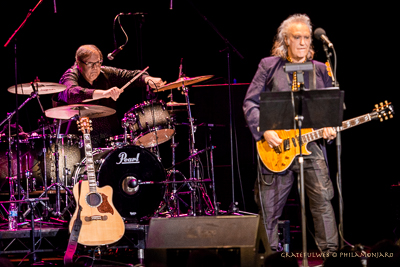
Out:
{"x": 202, "y": 232}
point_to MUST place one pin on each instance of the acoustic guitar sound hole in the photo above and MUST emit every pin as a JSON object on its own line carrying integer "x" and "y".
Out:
{"x": 93, "y": 199}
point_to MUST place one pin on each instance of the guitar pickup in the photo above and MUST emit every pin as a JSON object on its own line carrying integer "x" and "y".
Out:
{"x": 286, "y": 144}
{"x": 294, "y": 142}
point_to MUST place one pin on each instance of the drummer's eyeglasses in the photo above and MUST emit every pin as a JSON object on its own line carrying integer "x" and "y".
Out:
{"x": 93, "y": 64}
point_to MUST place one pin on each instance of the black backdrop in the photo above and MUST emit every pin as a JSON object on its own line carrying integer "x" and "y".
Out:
{"x": 47, "y": 43}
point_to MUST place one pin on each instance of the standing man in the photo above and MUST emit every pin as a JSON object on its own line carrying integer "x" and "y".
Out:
{"x": 88, "y": 79}
{"x": 292, "y": 44}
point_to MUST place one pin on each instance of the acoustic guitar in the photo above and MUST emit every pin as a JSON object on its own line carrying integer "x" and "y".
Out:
{"x": 101, "y": 222}
{"x": 278, "y": 159}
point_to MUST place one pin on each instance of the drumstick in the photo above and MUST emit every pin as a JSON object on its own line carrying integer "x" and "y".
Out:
{"x": 126, "y": 85}
{"x": 134, "y": 78}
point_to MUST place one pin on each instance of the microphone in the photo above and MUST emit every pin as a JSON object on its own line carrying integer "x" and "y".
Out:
{"x": 320, "y": 34}
{"x": 111, "y": 55}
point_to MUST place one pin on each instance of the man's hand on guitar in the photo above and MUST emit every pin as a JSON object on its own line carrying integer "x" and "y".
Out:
{"x": 272, "y": 138}
{"x": 329, "y": 133}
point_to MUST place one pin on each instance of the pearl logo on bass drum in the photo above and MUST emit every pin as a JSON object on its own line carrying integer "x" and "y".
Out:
{"x": 123, "y": 159}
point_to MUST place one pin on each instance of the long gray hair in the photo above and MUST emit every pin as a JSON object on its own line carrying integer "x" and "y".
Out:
{"x": 279, "y": 48}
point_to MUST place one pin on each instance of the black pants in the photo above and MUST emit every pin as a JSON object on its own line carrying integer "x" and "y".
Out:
{"x": 274, "y": 189}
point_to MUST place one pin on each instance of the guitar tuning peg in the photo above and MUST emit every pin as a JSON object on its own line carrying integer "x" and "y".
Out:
{"x": 91, "y": 128}
{"x": 376, "y": 106}
{"x": 381, "y": 104}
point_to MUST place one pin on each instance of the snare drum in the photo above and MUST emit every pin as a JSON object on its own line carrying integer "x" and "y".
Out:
{"x": 150, "y": 123}
{"x": 133, "y": 173}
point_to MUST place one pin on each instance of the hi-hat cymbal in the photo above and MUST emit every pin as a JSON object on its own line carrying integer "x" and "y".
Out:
{"x": 42, "y": 87}
{"x": 82, "y": 110}
{"x": 184, "y": 81}
{"x": 176, "y": 104}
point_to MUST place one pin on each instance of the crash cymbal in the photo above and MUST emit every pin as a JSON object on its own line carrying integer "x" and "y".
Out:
{"x": 176, "y": 104}
{"x": 82, "y": 110}
{"x": 184, "y": 81}
{"x": 42, "y": 87}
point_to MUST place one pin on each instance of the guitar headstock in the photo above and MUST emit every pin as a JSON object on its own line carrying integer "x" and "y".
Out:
{"x": 84, "y": 125}
{"x": 384, "y": 111}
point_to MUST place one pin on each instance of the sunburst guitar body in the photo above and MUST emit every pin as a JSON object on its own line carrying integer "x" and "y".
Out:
{"x": 101, "y": 222}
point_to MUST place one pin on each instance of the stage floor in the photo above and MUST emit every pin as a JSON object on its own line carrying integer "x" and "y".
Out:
{"x": 225, "y": 239}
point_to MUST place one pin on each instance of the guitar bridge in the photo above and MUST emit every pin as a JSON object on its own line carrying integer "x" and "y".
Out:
{"x": 96, "y": 218}
{"x": 277, "y": 149}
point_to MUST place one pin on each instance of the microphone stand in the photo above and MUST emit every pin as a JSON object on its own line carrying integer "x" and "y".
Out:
{"x": 338, "y": 148}
{"x": 13, "y": 37}
{"x": 233, "y": 206}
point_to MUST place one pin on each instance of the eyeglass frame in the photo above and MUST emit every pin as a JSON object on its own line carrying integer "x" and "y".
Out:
{"x": 92, "y": 64}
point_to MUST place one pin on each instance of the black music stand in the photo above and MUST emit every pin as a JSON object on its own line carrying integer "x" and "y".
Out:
{"x": 295, "y": 110}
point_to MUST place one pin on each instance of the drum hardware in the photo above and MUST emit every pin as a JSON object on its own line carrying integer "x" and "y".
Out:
{"x": 69, "y": 112}
{"x": 134, "y": 173}
{"x": 183, "y": 82}
{"x": 30, "y": 202}
{"x": 195, "y": 183}
{"x": 25, "y": 89}
{"x": 150, "y": 123}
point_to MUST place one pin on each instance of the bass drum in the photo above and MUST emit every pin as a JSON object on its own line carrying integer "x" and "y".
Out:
{"x": 130, "y": 171}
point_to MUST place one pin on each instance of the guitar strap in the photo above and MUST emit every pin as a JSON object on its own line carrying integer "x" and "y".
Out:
{"x": 73, "y": 238}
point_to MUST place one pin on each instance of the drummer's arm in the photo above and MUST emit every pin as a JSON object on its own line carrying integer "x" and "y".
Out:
{"x": 74, "y": 93}
{"x": 113, "y": 92}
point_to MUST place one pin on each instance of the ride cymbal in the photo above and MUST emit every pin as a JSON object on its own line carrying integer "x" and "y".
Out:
{"x": 184, "y": 81}
{"x": 82, "y": 110}
{"x": 43, "y": 88}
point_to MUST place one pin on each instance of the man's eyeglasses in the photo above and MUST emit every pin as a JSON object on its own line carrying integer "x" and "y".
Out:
{"x": 93, "y": 64}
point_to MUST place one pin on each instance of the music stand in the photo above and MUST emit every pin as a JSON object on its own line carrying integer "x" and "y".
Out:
{"x": 295, "y": 110}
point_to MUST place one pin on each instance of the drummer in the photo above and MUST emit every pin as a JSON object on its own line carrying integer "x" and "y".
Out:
{"x": 88, "y": 79}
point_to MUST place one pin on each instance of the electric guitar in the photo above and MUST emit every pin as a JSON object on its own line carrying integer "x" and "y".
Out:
{"x": 278, "y": 159}
{"x": 101, "y": 222}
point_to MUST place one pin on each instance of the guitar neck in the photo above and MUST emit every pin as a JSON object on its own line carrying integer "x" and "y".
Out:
{"x": 91, "y": 175}
{"x": 315, "y": 135}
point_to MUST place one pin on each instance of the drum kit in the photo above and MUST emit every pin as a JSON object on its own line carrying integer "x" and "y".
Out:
{"x": 52, "y": 163}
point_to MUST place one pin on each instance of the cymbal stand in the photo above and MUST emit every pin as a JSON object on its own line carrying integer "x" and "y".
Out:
{"x": 216, "y": 208}
{"x": 58, "y": 184}
{"x": 34, "y": 94}
{"x": 194, "y": 167}
{"x": 57, "y": 211}
{"x": 44, "y": 150}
